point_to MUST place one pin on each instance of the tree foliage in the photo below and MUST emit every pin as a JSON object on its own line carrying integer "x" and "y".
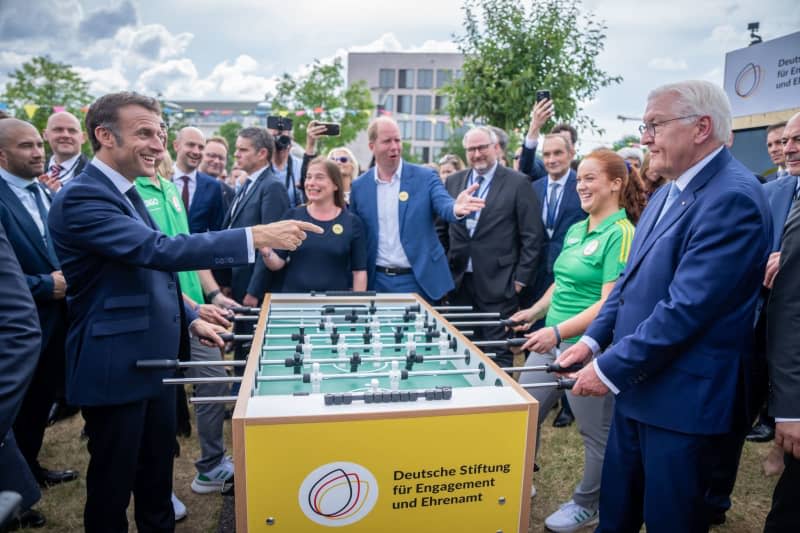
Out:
{"x": 46, "y": 83}
{"x": 627, "y": 140}
{"x": 229, "y": 131}
{"x": 323, "y": 91}
{"x": 512, "y": 48}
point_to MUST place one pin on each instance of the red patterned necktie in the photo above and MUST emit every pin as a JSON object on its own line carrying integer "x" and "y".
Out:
{"x": 185, "y": 193}
{"x": 55, "y": 171}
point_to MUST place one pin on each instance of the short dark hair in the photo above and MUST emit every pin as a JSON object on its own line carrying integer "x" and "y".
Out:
{"x": 105, "y": 112}
{"x": 333, "y": 172}
{"x": 563, "y": 126}
{"x": 778, "y": 126}
{"x": 260, "y": 138}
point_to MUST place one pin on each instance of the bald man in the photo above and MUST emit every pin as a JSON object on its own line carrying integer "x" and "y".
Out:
{"x": 201, "y": 194}
{"x": 65, "y": 137}
{"x": 24, "y": 206}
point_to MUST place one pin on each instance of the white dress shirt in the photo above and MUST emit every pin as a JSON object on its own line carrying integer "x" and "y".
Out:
{"x": 67, "y": 168}
{"x": 177, "y": 179}
{"x": 390, "y": 247}
{"x": 17, "y": 185}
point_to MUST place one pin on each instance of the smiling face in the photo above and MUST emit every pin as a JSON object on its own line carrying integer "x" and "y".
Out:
{"x": 215, "y": 157}
{"x": 481, "y": 151}
{"x": 64, "y": 134}
{"x": 189, "y": 147}
{"x": 597, "y": 191}
{"x": 673, "y": 149}
{"x": 319, "y": 186}
{"x": 139, "y": 146}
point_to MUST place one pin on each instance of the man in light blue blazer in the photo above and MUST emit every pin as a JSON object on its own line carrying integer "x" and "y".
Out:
{"x": 677, "y": 329}
{"x": 397, "y": 202}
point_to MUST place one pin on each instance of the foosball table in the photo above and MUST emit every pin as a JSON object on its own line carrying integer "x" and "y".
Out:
{"x": 375, "y": 413}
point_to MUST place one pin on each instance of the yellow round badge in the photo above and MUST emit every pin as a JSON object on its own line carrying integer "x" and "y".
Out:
{"x": 337, "y": 229}
{"x": 591, "y": 248}
{"x": 403, "y": 196}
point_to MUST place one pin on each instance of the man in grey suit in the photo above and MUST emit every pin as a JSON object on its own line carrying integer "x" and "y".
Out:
{"x": 783, "y": 353}
{"x": 261, "y": 200}
{"x": 496, "y": 251}
{"x": 20, "y": 340}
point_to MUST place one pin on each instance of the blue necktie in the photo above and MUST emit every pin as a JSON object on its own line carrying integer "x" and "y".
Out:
{"x": 35, "y": 191}
{"x": 479, "y": 180}
{"x": 552, "y": 205}
{"x": 674, "y": 192}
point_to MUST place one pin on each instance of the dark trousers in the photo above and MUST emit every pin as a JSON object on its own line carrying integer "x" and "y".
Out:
{"x": 465, "y": 294}
{"x": 784, "y": 517}
{"x": 653, "y": 475}
{"x": 131, "y": 449}
{"x": 47, "y": 380}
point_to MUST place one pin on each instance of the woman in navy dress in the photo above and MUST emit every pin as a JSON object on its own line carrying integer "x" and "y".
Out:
{"x": 335, "y": 260}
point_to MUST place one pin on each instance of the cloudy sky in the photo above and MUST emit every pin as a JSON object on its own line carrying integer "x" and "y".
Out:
{"x": 207, "y": 49}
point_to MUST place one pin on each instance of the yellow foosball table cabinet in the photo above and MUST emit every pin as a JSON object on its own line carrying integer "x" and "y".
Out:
{"x": 374, "y": 414}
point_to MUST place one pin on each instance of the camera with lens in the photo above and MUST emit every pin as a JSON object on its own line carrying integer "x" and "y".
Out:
{"x": 281, "y": 125}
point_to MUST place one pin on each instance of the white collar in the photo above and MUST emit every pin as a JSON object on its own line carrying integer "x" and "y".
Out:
{"x": 66, "y": 165}
{"x": 120, "y": 182}
{"x": 396, "y": 175}
{"x": 178, "y": 173}
{"x": 683, "y": 180}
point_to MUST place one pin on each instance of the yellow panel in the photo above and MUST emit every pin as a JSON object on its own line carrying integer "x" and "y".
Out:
{"x": 380, "y": 475}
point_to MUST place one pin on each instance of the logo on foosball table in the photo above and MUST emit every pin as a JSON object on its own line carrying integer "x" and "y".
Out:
{"x": 338, "y": 494}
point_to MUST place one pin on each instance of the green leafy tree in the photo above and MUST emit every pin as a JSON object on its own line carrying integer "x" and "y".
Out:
{"x": 512, "y": 48}
{"x": 628, "y": 140}
{"x": 229, "y": 131}
{"x": 46, "y": 83}
{"x": 323, "y": 92}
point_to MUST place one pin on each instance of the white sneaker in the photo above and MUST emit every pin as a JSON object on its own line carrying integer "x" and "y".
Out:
{"x": 533, "y": 491}
{"x": 179, "y": 508}
{"x": 218, "y": 479}
{"x": 570, "y": 517}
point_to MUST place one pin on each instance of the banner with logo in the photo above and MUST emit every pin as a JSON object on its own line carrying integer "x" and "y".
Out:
{"x": 764, "y": 77}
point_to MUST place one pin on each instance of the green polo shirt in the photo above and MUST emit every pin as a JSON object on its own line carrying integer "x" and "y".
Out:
{"x": 166, "y": 207}
{"x": 589, "y": 260}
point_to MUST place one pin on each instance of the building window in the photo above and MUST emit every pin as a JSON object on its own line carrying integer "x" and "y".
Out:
{"x": 405, "y": 78}
{"x": 443, "y": 77}
{"x": 423, "y": 130}
{"x": 459, "y": 74}
{"x": 441, "y": 132}
{"x": 388, "y": 103}
{"x": 423, "y": 153}
{"x": 441, "y": 105}
{"x": 423, "y": 105}
{"x": 404, "y": 103}
{"x": 425, "y": 78}
{"x": 405, "y": 129}
{"x": 386, "y": 78}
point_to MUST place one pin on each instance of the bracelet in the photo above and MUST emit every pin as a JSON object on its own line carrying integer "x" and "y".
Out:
{"x": 213, "y": 294}
{"x": 558, "y": 335}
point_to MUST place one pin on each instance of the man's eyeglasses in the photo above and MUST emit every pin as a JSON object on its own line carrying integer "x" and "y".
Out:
{"x": 340, "y": 159}
{"x": 479, "y": 148}
{"x": 650, "y": 127}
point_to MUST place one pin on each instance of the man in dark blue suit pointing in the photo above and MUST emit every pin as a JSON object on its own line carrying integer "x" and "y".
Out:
{"x": 677, "y": 329}
{"x": 125, "y": 305}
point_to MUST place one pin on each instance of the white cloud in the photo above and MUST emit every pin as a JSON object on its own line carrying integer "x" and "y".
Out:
{"x": 667, "y": 63}
{"x": 103, "y": 81}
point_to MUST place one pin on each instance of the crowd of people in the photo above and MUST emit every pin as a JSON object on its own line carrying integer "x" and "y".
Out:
{"x": 662, "y": 280}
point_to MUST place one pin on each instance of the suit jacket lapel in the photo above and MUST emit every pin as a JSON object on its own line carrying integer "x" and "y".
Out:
{"x": 495, "y": 188}
{"x": 24, "y": 218}
{"x": 654, "y": 230}
{"x": 407, "y": 186}
{"x": 249, "y": 193}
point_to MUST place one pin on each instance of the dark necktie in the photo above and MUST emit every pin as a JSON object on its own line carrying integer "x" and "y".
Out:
{"x": 37, "y": 197}
{"x": 238, "y": 199}
{"x": 476, "y": 193}
{"x": 185, "y": 193}
{"x": 138, "y": 204}
{"x": 55, "y": 171}
{"x": 552, "y": 205}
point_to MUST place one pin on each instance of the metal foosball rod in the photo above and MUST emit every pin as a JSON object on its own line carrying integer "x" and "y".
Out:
{"x": 404, "y": 374}
{"x": 549, "y": 368}
{"x": 411, "y": 345}
{"x": 201, "y": 381}
{"x": 412, "y": 357}
{"x": 502, "y": 343}
{"x": 161, "y": 364}
{"x": 212, "y": 399}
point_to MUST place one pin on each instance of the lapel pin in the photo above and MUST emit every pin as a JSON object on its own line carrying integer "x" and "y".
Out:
{"x": 337, "y": 229}
{"x": 403, "y": 196}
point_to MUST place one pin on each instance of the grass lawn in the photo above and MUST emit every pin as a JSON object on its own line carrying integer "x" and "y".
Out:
{"x": 561, "y": 450}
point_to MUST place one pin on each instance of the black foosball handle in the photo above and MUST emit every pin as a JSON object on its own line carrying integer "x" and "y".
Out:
{"x": 555, "y": 367}
{"x": 516, "y": 341}
{"x": 245, "y": 310}
{"x": 565, "y": 383}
